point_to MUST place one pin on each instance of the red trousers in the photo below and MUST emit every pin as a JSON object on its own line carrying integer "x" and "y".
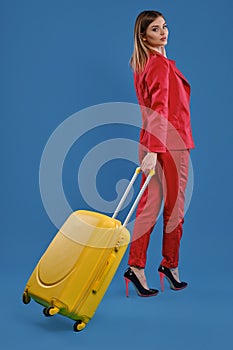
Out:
{"x": 167, "y": 185}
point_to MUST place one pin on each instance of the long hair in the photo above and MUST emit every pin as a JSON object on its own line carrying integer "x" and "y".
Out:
{"x": 141, "y": 53}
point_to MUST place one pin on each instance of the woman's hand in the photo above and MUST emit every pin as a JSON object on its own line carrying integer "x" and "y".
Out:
{"x": 149, "y": 162}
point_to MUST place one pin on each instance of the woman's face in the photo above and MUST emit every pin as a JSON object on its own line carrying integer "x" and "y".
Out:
{"x": 156, "y": 33}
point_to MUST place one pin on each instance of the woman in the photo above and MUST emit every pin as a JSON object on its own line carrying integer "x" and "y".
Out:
{"x": 165, "y": 140}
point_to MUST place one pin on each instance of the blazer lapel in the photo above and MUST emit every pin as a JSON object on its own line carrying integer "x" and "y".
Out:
{"x": 173, "y": 63}
{"x": 178, "y": 72}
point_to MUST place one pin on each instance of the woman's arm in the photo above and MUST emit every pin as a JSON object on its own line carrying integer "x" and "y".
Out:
{"x": 157, "y": 79}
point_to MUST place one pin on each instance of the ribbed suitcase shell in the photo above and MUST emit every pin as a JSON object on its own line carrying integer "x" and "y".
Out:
{"x": 75, "y": 271}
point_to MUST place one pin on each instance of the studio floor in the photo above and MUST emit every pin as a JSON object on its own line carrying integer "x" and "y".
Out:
{"x": 199, "y": 317}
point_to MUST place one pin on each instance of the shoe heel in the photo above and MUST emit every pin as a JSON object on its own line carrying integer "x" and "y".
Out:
{"x": 174, "y": 284}
{"x": 127, "y": 286}
{"x": 161, "y": 276}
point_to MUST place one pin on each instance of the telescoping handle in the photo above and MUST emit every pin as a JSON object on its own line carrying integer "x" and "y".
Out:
{"x": 135, "y": 203}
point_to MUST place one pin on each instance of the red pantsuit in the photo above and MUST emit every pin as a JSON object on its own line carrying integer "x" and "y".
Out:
{"x": 164, "y": 96}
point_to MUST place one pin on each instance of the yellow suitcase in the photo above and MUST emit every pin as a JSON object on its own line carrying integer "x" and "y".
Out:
{"x": 75, "y": 271}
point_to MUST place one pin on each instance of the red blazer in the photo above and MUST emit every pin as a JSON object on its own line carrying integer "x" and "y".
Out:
{"x": 164, "y": 97}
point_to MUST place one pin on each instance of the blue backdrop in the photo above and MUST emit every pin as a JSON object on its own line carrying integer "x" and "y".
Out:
{"x": 59, "y": 57}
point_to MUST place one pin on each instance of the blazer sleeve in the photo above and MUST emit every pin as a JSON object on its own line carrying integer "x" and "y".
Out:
{"x": 157, "y": 80}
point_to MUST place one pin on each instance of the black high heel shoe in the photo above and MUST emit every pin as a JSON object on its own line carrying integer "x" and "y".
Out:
{"x": 174, "y": 284}
{"x": 130, "y": 276}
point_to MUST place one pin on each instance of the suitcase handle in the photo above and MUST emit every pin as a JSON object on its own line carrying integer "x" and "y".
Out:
{"x": 137, "y": 171}
{"x": 97, "y": 285}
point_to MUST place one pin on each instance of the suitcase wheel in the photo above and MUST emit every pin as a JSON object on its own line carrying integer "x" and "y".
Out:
{"x": 26, "y": 298}
{"x": 79, "y": 326}
{"x": 50, "y": 311}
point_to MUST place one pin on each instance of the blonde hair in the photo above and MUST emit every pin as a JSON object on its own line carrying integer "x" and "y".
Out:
{"x": 141, "y": 52}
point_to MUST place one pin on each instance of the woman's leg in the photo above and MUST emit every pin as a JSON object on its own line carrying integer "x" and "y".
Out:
{"x": 175, "y": 177}
{"x": 146, "y": 216}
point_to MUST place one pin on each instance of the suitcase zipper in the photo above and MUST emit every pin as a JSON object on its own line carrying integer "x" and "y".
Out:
{"x": 104, "y": 273}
